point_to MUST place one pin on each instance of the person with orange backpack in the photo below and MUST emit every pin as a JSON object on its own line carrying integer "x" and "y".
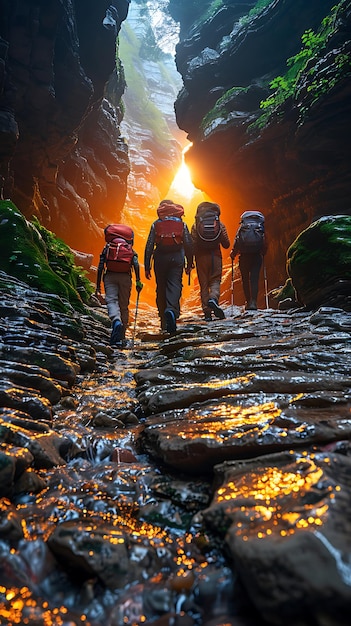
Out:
{"x": 169, "y": 244}
{"x": 209, "y": 235}
{"x": 115, "y": 269}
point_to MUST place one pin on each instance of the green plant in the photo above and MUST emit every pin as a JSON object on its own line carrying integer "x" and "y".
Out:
{"x": 286, "y": 86}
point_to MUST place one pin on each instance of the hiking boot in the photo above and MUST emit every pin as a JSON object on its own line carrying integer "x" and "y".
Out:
{"x": 171, "y": 325}
{"x": 208, "y": 315}
{"x": 216, "y": 309}
{"x": 117, "y": 333}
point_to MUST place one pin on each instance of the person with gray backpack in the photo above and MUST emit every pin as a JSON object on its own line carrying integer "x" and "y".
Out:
{"x": 209, "y": 234}
{"x": 251, "y": 245}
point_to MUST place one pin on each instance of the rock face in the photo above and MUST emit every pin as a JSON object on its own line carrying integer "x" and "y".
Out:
{"x": 68, "y": 159}
{"x": 295, "y": 165}
{"x": 62, "y": 155}
{"x": 149, "y": 124}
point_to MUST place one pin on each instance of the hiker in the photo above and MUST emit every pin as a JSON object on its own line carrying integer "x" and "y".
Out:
{"x": 115, "y": 269}
{"x": 209, "y": 234}
{"x": 169, "y": 244}
{"x": 251, "y": 246}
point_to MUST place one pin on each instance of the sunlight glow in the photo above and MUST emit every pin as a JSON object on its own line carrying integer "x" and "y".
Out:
{"x": 182, "y": 183}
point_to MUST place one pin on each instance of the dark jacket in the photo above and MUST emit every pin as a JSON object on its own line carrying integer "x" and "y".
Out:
{"x": 151, "y": 247}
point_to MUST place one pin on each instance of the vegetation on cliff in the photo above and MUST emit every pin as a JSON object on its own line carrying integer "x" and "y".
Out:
{"x": 305, "y": 62}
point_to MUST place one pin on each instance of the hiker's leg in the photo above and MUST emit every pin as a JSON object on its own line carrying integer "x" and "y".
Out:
{"x": 111, "y": 295}
{"x": 216, "y": 276}
{"x": 174, "y": 282}
{"x": 203, "y": 268}
{"x": 125, "y": 287}
{"x": 256, "y": 264}
{"x": 161, "y": 269}
{"x": 244, "y": 266}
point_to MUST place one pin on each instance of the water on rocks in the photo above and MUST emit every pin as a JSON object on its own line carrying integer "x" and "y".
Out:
{"x": 201, "y": 479}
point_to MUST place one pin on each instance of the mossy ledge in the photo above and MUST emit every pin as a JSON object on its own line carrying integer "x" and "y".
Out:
{"x": 36, "y": 256}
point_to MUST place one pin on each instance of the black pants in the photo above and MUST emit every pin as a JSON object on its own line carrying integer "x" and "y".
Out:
{"x": 250, "y": 266}
{"x": 168, "y": 267}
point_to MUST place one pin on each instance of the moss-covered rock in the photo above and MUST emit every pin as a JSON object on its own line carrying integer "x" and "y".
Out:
{"x": 34, "y": 255}
{"x": 319, "y": 263}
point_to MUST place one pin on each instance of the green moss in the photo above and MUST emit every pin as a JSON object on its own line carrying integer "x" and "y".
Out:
{"x": 222, "y": 107}
{"x": 35, "y": 256}
{"x": 284, "y": 292}
{"x": 320, "y": 256}
{"x": 259, "y": 6}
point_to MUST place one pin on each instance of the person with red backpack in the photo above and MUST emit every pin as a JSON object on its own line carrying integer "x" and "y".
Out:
{"x": 169, "y": 244}
{"x": 115, "y": 269}
{"x": 209, "y": 235}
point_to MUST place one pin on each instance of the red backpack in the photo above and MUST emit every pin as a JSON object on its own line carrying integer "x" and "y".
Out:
{"x": 169, "y": 231}
{"x": 119, "y": 247}
{"x": 169, "y": 228}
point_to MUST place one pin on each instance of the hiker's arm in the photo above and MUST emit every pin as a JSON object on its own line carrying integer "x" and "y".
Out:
{"x": 149, "y": 248}
{"x": 193, "y": 233}
{"x": 224, "y": 237}
{"x": 100, "y": 271}
{"x": 135, "y": 263}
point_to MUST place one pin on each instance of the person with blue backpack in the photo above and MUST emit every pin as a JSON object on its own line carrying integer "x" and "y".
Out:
{"x": 251, "y": 245}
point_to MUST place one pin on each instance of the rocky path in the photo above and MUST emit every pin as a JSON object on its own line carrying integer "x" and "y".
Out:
{"x": 201, "y": 479}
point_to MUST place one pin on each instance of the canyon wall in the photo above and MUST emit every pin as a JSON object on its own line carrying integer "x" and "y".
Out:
{"x": 294, "y": 165}
{"x": 63, "y": 157}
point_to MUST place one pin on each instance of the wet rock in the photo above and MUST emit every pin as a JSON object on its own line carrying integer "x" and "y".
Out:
{"x": 23, "y": 458}
{"x": 202, "y": 436}
{"x": 25, "y": 400}
{"x": 32, "y": 377}
{"x": 59, "y": 368}
{"x": 156, "y": 400}
{"x": 28, "y": 483}
{"x": 44, "y": 444}
{"x": 7, "y": 474}
{"x": 11, "y": 528}
{"x": 283, "y": 518}
{"x": 102, "y": 420}
{"x": 318, "y": 263}
{"x": 92, "y": 550}
{"x": 130, "y": 524}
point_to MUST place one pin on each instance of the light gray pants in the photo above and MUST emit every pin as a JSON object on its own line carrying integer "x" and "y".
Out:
{"x": 118, "y": 286}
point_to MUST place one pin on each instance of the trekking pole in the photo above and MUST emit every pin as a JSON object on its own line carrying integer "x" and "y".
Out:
{"x": 265, "y": 285}
{"x": 232, "y": 288}
{"x": 135, "y": 318}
